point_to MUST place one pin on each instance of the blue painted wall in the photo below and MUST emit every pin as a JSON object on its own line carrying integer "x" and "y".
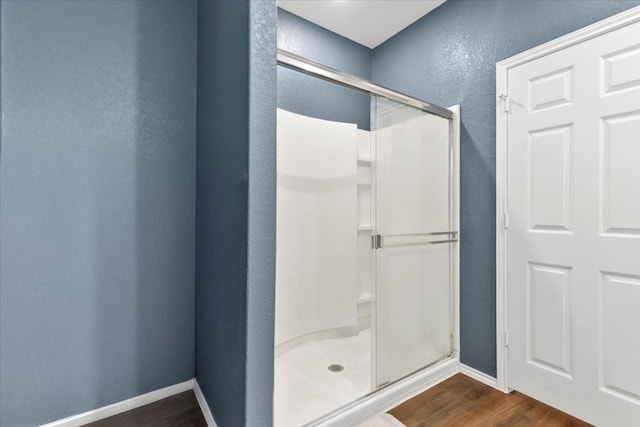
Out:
{"x": 448, "y": 57}
{"x": 235, "y": 244}
{"x": 311, "y": 96}
{"x": 261, "y": 275}
{"x": 97, "y": 186}
{"x": 97, "y": 189}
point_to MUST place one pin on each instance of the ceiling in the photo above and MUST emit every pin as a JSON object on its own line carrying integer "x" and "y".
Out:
{"x": 368, "y": 22}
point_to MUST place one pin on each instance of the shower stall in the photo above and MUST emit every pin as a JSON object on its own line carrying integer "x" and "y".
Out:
{"x": 367, "y": 252}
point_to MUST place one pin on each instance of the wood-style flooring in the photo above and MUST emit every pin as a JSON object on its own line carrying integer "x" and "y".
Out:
{"x": 462, "y": 401}
{"x": 181, "y": 410}
{"x": 457, "y": 402}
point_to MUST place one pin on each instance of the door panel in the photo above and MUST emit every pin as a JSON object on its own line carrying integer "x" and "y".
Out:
{"x": 620, "y": 296}
{"x": 548, "y": 317}
{"x": 414, "y": 260}
{"x": 574, "y": 236}
{"x": 620, "y": 161}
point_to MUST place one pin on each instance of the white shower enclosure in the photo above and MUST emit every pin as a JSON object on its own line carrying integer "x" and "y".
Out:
{"x": 316, "y": 242}
{"x": 367, "y": 253}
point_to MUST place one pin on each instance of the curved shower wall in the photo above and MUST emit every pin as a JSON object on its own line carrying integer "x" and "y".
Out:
{"x": 317, "y": 218}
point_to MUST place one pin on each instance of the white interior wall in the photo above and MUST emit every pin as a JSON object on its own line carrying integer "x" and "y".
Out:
{"x": 365, "y": 226}
{"x": 317, "y": 218}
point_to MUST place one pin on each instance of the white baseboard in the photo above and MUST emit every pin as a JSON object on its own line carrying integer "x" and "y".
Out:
{"x": 358, "y": 412}
{"x": 204, "y": 406}
{"x": 123, "y": 406}
{"x": 479, "y": 376}
{"x": 390, "y": 396}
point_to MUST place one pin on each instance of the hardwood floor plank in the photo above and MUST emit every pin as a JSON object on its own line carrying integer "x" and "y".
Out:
{"x": 458, "y": 402}
{"x": 464, "y": 402}
{"x": 181, "y": 410}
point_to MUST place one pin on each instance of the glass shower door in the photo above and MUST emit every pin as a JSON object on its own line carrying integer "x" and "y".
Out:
{"x": 414, "y": 240}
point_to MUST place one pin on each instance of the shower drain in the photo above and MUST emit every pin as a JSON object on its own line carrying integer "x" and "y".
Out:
{"x": 336, "y": 367}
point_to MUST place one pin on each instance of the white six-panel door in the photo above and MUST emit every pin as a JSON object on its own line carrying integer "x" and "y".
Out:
{"x": 573, "y": 251}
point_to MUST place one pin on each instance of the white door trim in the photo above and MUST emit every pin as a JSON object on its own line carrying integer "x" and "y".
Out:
{"x": 615, "y": 22}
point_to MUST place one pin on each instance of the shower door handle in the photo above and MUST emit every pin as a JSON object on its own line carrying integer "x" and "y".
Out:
{"x": 376, "y": 241}
{"x": 379, "y": 241}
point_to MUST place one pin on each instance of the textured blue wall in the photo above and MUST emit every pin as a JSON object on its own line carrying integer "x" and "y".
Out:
{"x": 261, "y": 275}
{"x": 235, "y": 243}
{"x": 311, "y": 96}
{"x": 448, "y": 57}
{"x": 97, "y": 190}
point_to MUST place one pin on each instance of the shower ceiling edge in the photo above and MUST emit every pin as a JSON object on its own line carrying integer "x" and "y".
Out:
{"x": 316, "y": 69}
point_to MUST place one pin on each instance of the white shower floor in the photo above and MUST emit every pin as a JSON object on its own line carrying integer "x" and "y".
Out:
{"x": 304, "y": 387}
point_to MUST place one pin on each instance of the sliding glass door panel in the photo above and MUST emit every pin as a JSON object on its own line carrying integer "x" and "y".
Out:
{"x": 413, "y": 240}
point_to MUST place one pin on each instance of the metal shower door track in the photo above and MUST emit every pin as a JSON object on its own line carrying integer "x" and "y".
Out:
{"x": 312, "y": 68}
